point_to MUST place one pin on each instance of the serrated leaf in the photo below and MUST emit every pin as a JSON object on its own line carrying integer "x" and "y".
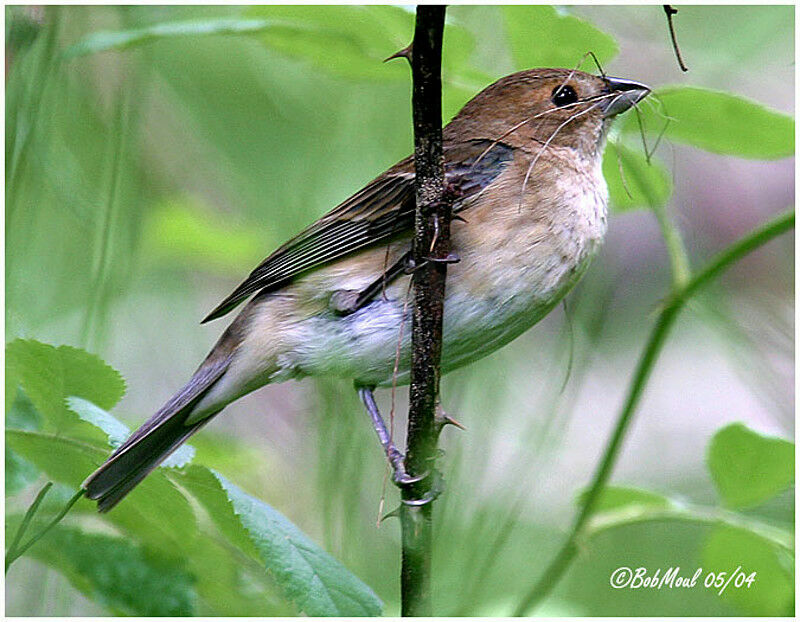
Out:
{"x": 155, "y": 512}
{"x": 718, "y": 122}
{"x": 543, "y": 36}
{"x": 627, "y": 171}
{"x": 118, "y": 574}
{"x": 88, "y": 376}
{"x": 39, "y": 370}
{"x": 179, "y": 458}
{"x": 308, "y": 576}
{"x": 747, "y": 467}
{"x": 50, "y": 374}
{"x": 115, "y": 430}
{"x": 771, "y": 592}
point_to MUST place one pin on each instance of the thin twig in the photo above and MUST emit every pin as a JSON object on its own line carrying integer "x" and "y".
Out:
{"x": 670, "y": 11}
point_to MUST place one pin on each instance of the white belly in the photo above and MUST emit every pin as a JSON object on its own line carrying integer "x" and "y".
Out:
{"x": 518, "y": 260}
{"x": 501, "y": 287}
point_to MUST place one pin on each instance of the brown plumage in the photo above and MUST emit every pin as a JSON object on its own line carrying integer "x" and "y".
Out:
{"x": 524, "y": 157}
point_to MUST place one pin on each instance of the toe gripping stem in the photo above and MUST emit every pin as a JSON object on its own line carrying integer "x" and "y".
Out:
{"x": 396, "y": 458}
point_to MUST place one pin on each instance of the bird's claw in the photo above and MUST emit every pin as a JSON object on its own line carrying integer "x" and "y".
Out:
{"x": 451, "y": 257}
{"x": 435, "y": 490}
{"x": 411, "y": 266}
{"x": 403, "y": 480}
{"x": 424, "y": 500}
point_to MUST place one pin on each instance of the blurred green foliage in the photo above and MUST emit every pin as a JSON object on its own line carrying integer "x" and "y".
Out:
{"x": 154, "y": 154}
{"x": 158, "y": 516}
{"x": 749, "y": 468}
{"x": 718, "y": 122}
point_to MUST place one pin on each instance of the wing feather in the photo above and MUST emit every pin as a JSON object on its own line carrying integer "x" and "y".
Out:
{"x": 382, "y": 209}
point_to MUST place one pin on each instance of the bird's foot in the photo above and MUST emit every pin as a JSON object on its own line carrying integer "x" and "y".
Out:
{"x": 451, "y": 257}
{"x": 411, "y": 266}
{"x": 400, "y": 476}
{"x": 437, "y": 487}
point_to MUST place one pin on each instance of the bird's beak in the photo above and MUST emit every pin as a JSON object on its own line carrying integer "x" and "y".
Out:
{"x": 626, "y": 93}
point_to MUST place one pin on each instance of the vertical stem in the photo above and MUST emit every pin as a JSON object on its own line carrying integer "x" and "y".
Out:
{"x": 431, "y": 239}
{"x": 675, "y": 302}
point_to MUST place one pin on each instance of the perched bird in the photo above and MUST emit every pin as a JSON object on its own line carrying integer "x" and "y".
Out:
{"x": 524, "y": 160}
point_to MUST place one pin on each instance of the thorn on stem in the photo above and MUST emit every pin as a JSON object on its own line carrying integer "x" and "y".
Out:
{"x": 404, "y": 53}
{"x": 395, "y": 513}
{"x": 443, "y": 419}
{"x": 449, "y": 420}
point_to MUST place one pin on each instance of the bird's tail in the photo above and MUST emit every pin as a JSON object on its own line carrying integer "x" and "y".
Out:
{"x": 152, "y": 443}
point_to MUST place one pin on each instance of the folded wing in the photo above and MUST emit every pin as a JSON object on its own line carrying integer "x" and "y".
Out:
{"x": 381, "y": 210}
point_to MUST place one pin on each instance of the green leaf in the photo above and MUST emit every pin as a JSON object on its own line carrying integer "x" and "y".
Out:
{"x": 771, "y": 593}
{"x": 615, "y": 498}
{"x": 351, "y": 41}
{"x": 19, "y": 473}
{"x": 120, "y": 40}
{"x": 23, "y": 414}
{"x": 179, "y": 458}
{"x": 543, "y": 36}
{"x": 749, "y": 468}
{"x": 228, "y": 584}
{"x": 308, "y": 576}
{"x": 11, "y": 385}
{"x": 156, "y": 512}
{"x": 118, "y": 574}
{"x": 115, "y": 430}
{"x": 718, "y": 122}
{"x": 459, "y": 86}
{"x": 627, "y": 171}
{"x": 50, "y": 374}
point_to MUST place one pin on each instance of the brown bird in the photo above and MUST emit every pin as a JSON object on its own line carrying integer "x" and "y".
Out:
{"x": 524, "y": 156}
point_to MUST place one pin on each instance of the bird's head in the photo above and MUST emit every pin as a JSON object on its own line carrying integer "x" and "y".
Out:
{"x": 552, "y": 107}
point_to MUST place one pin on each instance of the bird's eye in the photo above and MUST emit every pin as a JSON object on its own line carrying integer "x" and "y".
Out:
{"x": 564, "y": 95}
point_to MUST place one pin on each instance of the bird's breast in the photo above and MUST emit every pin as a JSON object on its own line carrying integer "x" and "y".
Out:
{"x": 527, "y": 238}
{"x": 521, "y": 249}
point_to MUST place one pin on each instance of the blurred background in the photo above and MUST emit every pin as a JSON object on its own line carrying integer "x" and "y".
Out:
{"x": 142, "y": 185}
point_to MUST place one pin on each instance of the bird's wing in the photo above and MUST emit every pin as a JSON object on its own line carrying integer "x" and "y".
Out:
{"x": 380, "y": 211}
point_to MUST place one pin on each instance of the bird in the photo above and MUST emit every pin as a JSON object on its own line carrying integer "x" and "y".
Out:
{"x": 522, "y": 159}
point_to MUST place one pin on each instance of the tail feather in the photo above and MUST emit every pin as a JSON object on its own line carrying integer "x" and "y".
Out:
{"x": 122, "y": 475}
{"x": 152, "y": 443}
